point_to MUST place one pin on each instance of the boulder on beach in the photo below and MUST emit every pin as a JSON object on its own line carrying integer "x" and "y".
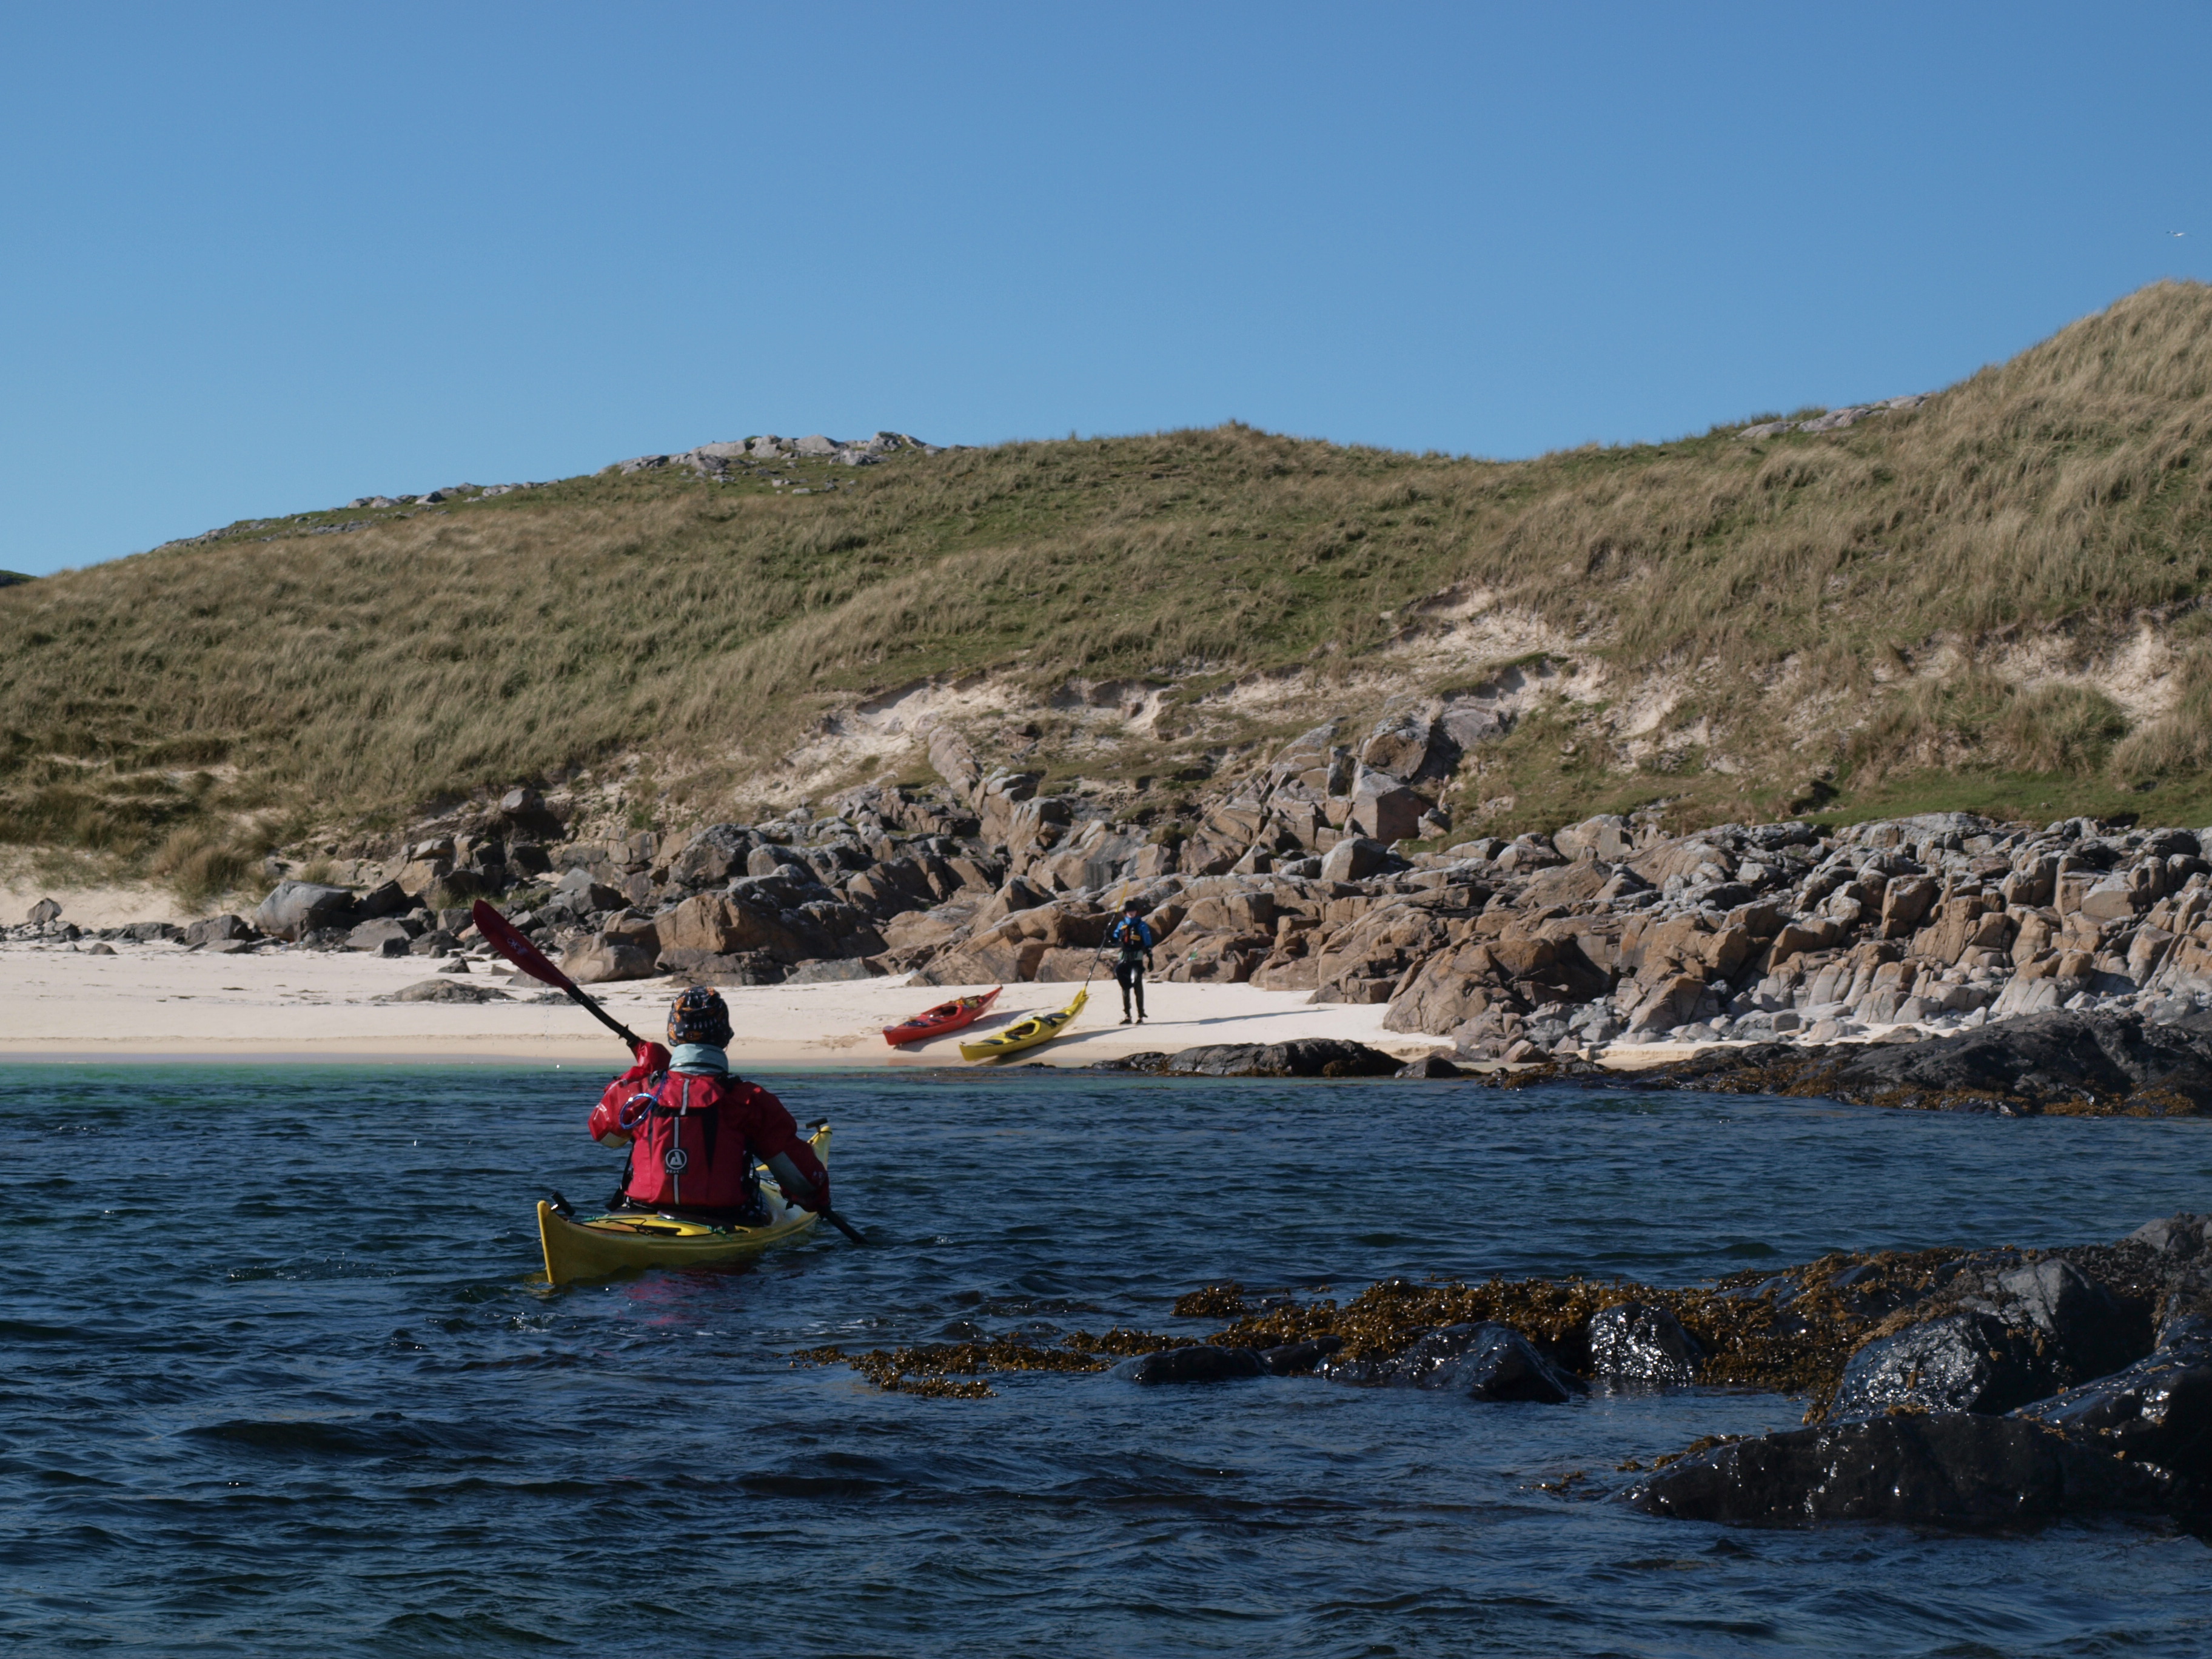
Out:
{"x": 216, "y": 930}
{"x": 297, "y": 909}
{"x": 445, "y": 990}
{"x": 600, "y": 960}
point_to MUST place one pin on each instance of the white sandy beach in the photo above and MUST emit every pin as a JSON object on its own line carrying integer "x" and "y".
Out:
{"x": 154, "y": 999}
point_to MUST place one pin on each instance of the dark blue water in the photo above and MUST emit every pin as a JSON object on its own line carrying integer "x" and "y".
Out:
{"x": 279, "y": 1376}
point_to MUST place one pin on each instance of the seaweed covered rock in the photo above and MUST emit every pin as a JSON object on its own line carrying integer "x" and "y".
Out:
{"x": 2030, "y": 1331}
{"x": 1201, "y": 1363}
{"x": 2054, "y": 1061}
{"x": 1961, "y": 1362}
{"x": 1302, "y": 1057}
{"x": 2157, "y": 1410}
{"x": 1297, "y": 1358}
{"x": 2049, "y": 1055}
{"x": 1948, "y": 1468}
{"x": 1484, "y": 1360}
{"x": 1637, "y": 1342}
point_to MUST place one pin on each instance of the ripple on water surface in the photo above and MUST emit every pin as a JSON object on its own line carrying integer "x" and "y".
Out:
{"x": 282, "y": 1378}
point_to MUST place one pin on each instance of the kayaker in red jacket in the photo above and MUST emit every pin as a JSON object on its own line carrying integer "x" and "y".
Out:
{"x": 693, "y": 1130}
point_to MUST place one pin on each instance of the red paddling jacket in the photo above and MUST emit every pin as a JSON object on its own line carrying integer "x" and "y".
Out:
{"x": 693, "y": 1137}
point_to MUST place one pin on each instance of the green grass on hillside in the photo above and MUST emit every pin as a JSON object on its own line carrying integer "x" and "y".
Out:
{"x": 1864, "y": 609}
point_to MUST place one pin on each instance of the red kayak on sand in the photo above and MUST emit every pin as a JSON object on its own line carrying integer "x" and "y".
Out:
{"x": 946, "y": 1017}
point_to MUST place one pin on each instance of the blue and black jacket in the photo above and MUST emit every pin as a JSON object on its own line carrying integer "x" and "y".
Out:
{"x": 1133, "y": 935}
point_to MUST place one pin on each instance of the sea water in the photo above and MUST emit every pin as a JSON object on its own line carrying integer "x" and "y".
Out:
{"x": 281, "y": 1375}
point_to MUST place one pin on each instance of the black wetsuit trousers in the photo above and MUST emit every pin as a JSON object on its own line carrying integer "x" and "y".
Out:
{"x": 1129, "y": 974}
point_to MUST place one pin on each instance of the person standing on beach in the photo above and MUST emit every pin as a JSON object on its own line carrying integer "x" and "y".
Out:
{"x": 1133, "y": 937}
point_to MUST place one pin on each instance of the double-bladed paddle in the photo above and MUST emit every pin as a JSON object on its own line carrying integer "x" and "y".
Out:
{"x": 503, "y": 937}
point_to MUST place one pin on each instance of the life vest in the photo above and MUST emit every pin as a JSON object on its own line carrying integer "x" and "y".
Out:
{"x": 678, "y": 1156}
{"x": 1135, "y": 935}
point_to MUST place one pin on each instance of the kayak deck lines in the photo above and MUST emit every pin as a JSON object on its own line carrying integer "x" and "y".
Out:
{"x": 1036, "y": 1029}
{"x": 598, "y": 1246}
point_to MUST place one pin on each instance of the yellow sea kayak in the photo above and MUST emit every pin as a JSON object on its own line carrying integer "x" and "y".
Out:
{"x": 605, "y": 1244}
{"x": 1026, "y": 1033}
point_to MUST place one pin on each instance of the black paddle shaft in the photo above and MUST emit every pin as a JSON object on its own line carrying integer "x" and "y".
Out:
{"x": 636, "y": 1042}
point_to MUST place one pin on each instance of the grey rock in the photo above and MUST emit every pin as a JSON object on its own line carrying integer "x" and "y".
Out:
{"x": 826, "y": 970}
{"x": 1467, "y": 725}
{"x": 1302, "y": 1057}
{"x": 2158, "y": 1410}
{"x": 712, "y": 855}
{"x": 101, "y": 949}
{"x": 1430, "y": 1065}
{"x": 445, "y": 990}
{"x": 729, "y": 968}
{"x": 585, "y": 894}
{"x": 1193, "y": 1364}
{"x": 1637, "y": 1342}
{"x": 1400, "y": 745}
{"x": 1383, "y": 808}
{"x": 770, "y": 858}
{"x": 1297, "y": 1358}
{"x": 816, "y": 444}
{"x": 2185, "y": 1236}
{"x": 215, "y": 930}
{"x": 1952, "y": 1468}
{"x": 1959, "y": 1361}
{"x": 44, "y": 911}
{"x": 386, "y": 900}
{"x": 2074, "y": 1314}
{"x": 1355, "y": 858}
{"x": 1483, "y": 1361}
{"x": 297, "y": 909}
{"x": 386, "y": 938}
{"x": 597, "y": 961}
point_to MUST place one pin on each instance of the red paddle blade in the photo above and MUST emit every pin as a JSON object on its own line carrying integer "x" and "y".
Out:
{"x": 500, "y": 934}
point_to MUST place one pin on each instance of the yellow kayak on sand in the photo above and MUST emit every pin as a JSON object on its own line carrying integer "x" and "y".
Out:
{"x": 606, "y": 1244}
{"x": 1026, "y": 1033}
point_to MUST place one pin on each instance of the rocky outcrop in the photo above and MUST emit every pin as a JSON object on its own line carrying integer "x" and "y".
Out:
{"x": 1950, "y": 1469}
{"x": 1485, "y": 1360}
{"x": 1327, "y": 869}
{"x": 1329, "y": 1057}
{"x": 1932, "y": 1445}
{"x": 2060, "y": 1061}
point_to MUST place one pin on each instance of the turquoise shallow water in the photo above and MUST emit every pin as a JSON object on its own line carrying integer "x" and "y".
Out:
{"x": 277, "y": 1377}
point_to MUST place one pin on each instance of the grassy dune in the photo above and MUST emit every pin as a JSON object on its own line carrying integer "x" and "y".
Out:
{"x": 1913, "y": 610}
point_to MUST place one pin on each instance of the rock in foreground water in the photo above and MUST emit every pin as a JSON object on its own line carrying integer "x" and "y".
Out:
{"x": 1949, "y": 1468}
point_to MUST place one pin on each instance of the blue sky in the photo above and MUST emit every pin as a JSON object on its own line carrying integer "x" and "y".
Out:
{"x": 256, "y": 259}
